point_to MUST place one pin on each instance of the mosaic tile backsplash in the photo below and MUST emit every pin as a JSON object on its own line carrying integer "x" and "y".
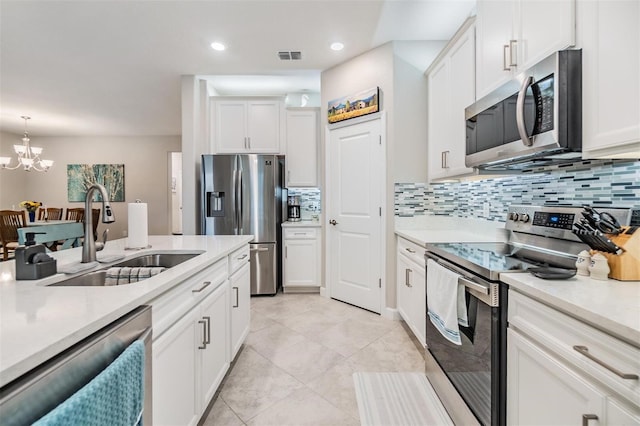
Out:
{"x": 599, "y": 183}
{"x": 309, "y": 201}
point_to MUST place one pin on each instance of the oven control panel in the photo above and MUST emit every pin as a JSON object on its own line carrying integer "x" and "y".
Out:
{"x": 557, "y": 221}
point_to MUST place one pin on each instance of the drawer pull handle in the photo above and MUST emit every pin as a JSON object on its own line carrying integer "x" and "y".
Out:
{"x": 585, "y": 351}
{"x": 204, "y": 334}
{"x": 587, "y": 417}
{"x": 242, "y": 257}
{"x": 410, "y": 250}
{"x": 299, "y": 233}
{"x": 205, "y": 285}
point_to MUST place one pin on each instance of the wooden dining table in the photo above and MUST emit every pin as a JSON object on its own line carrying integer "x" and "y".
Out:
{"x": 54, "y": 234}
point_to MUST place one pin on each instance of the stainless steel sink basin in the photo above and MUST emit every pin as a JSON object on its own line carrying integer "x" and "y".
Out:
{"x": 166, "y": 260}
{"x": 98, "y": 278}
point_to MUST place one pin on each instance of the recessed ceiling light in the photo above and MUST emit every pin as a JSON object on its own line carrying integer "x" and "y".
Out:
{"x": 216, "y": 45}
{"x": 337, "y": 46}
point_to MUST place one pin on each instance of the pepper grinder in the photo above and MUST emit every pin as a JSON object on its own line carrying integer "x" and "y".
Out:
{"x": 583, "y": 262}
{"x": 599, "y": 267}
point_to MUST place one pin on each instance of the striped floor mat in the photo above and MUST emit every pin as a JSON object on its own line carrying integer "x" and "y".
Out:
{"x": 398, "y": 399}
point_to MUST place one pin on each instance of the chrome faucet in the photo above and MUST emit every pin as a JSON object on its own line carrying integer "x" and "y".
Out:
{"x": 89, "y": 246}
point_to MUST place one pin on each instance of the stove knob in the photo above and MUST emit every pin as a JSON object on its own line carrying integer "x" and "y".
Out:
{"x": 524, "y": 217}
{"x": 513, "y": 216}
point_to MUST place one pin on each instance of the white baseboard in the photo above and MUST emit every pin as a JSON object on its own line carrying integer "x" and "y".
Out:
{"x": 323, "y": 292}
{"x": 391, "y": 313}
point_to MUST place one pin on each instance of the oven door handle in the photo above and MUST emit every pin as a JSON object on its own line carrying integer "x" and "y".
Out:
{"x": 472, "y": 285}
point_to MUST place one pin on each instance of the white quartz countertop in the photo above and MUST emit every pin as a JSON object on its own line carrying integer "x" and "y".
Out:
{"x": 611, "y": 306}
{"x": 38, "y": 322}
{"x": 444, "y": 229}
{"x": 302, "y": 224}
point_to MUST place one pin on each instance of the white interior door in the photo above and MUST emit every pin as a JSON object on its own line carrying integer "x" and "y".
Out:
{"x": 355, "y": 184}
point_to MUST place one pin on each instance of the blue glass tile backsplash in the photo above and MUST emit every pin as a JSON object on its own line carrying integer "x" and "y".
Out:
{"x": 309, "y": 201}
{"x": 613, "y": 183}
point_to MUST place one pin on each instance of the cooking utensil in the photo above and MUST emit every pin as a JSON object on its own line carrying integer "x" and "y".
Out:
{"x": 602, "y": 221}
{"x": 550, "y": 273}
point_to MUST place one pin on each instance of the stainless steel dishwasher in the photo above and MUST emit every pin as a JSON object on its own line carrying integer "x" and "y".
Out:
{"x": 39, "y": 391}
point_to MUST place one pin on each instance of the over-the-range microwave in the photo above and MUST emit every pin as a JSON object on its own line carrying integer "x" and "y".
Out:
{"x": 532, "y": 121}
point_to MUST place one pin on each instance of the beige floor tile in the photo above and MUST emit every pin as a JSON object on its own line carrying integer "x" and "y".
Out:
{"x": 336, "y": 386}
{"x": 310, "y": 323}
{"x": 393, "y": 352}
{"x": 272, "y": 339}
{"x": 255, "y": 384}
{"x": 351, "y": 335}
{"x": 306, "y": 360}
{"x": 259, "y": 320}
{"x": 303, "y": 408}
{"x": 222, "y": 415}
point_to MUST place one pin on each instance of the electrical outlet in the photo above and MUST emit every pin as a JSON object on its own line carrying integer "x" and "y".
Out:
{"x": 486, "y": 211}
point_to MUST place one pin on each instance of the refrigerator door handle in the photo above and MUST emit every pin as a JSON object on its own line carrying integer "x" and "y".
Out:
{"x": 241, "y": 203}
{"x": 235, "y": 200}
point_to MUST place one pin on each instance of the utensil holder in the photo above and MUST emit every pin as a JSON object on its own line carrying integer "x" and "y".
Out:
{"x": 626, "y": 266}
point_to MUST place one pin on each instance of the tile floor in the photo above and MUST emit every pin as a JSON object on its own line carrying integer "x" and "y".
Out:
{"x": 297, "y": 363}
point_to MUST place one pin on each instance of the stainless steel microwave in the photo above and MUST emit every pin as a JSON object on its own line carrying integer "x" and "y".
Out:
{"x": 532, "y": 121}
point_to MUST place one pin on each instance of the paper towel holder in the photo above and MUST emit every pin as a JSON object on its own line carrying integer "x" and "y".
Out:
{"x": 148, "y": 246}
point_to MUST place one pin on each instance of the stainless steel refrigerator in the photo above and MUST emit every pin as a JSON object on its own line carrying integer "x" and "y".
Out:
{"x": 242, "y": 195}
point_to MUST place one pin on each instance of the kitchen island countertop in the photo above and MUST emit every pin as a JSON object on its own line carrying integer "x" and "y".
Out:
{"x": 37, "y": 321}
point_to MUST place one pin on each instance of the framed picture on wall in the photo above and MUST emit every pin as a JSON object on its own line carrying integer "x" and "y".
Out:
{"x": 356, "y": 105}
{"x": 81, "y": 176}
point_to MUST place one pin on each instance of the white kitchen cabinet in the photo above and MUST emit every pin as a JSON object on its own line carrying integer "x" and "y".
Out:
{"x": 302, "y": 147}
{"x": 609, "y": 35}
{"x": 301, "y": 259}
{"x": 213, "y": 344}
{"x": 246, "y": 126}
{"x": 190, "y": 345}
{"x": 549, "y": 381}
{"x": 240, "y": 284}
{"x": 175, "y": 367}
{"x": 411, "y": 287}
{"x": 513, "y": 35}
{"x": 451, "y": 89}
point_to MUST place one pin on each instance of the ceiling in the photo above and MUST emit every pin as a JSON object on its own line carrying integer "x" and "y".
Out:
{"x": 88, "y": 67}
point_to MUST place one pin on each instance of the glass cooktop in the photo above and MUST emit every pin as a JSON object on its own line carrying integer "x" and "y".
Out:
{"x": 485, "y": 259}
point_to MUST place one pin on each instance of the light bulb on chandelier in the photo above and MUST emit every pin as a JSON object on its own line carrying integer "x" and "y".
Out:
{"x": 28, "y": 156}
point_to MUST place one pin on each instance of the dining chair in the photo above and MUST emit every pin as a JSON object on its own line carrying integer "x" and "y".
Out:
{"x": 76, "y": 214}
{"x": 52, "y": 213}
{"x": 10, "y": 221}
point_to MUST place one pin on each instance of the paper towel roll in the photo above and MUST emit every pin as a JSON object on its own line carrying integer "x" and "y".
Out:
{"x": 138, "y": 227}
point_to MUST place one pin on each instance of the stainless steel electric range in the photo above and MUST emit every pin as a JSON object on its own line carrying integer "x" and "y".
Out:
{"x": 470, "y": 378}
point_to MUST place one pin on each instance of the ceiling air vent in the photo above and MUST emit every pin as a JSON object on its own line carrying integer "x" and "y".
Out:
{"x": 290, "y": 55}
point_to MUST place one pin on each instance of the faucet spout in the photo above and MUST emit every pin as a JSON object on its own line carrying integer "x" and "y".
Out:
{"x": 89, "y": 245}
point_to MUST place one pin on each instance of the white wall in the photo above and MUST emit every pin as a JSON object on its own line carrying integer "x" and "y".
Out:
{"x": 145, "y": 174}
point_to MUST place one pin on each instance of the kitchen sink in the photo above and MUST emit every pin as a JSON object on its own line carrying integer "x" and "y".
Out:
{"x": 98, "y": 278}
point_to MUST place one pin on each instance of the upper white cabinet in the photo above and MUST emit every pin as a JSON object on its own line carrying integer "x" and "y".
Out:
{"x": 451, "y": 89}
{"x": 246, "y": 126}
{"x": 302, "y": 147}
{"x": 513, "y": 35}
{"x": 609, "y": 35}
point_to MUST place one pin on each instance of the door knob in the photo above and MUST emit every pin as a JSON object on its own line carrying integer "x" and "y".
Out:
{"x": 333, "y": 222}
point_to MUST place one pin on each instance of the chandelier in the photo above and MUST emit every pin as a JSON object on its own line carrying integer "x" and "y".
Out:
{"x": 28, "y": 156}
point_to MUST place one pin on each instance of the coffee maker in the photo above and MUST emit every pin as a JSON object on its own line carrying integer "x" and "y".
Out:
{"x": 293, "y": 208}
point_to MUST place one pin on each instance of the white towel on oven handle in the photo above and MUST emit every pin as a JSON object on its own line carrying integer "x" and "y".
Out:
{"x": 446, "y": 306}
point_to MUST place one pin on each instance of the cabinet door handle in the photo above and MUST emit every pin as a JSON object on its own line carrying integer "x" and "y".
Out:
{"x": 285, "y": 252}
{"x": 505, "y": 66}
{"x": 585, "y": 351}
{"x": 237, "y": 297}
{"x": 249, "y": 142}
{"x": 587, "y": 417}
{"x": 443, "y": 159}
{"x": 208, "y": 329}
{"x": 513, "y": 53}
{"x": 288, "y": 176}
{"x": 407, "y": 277}
{"x": 204, "y": 285}
{"x": 204, "y": 334}
{"x": 410, "y": 250}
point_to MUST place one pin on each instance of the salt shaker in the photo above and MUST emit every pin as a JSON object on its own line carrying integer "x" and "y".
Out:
{"x": 598, "y": 267}
{"x": 583, "y": 262}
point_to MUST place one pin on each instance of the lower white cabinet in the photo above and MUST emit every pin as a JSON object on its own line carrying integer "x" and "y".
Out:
{"x": 301, "y": 259}
{"x": 411, "y": 287}
{"x": 550, "y": 382}
{"x": 240, "y": 284}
